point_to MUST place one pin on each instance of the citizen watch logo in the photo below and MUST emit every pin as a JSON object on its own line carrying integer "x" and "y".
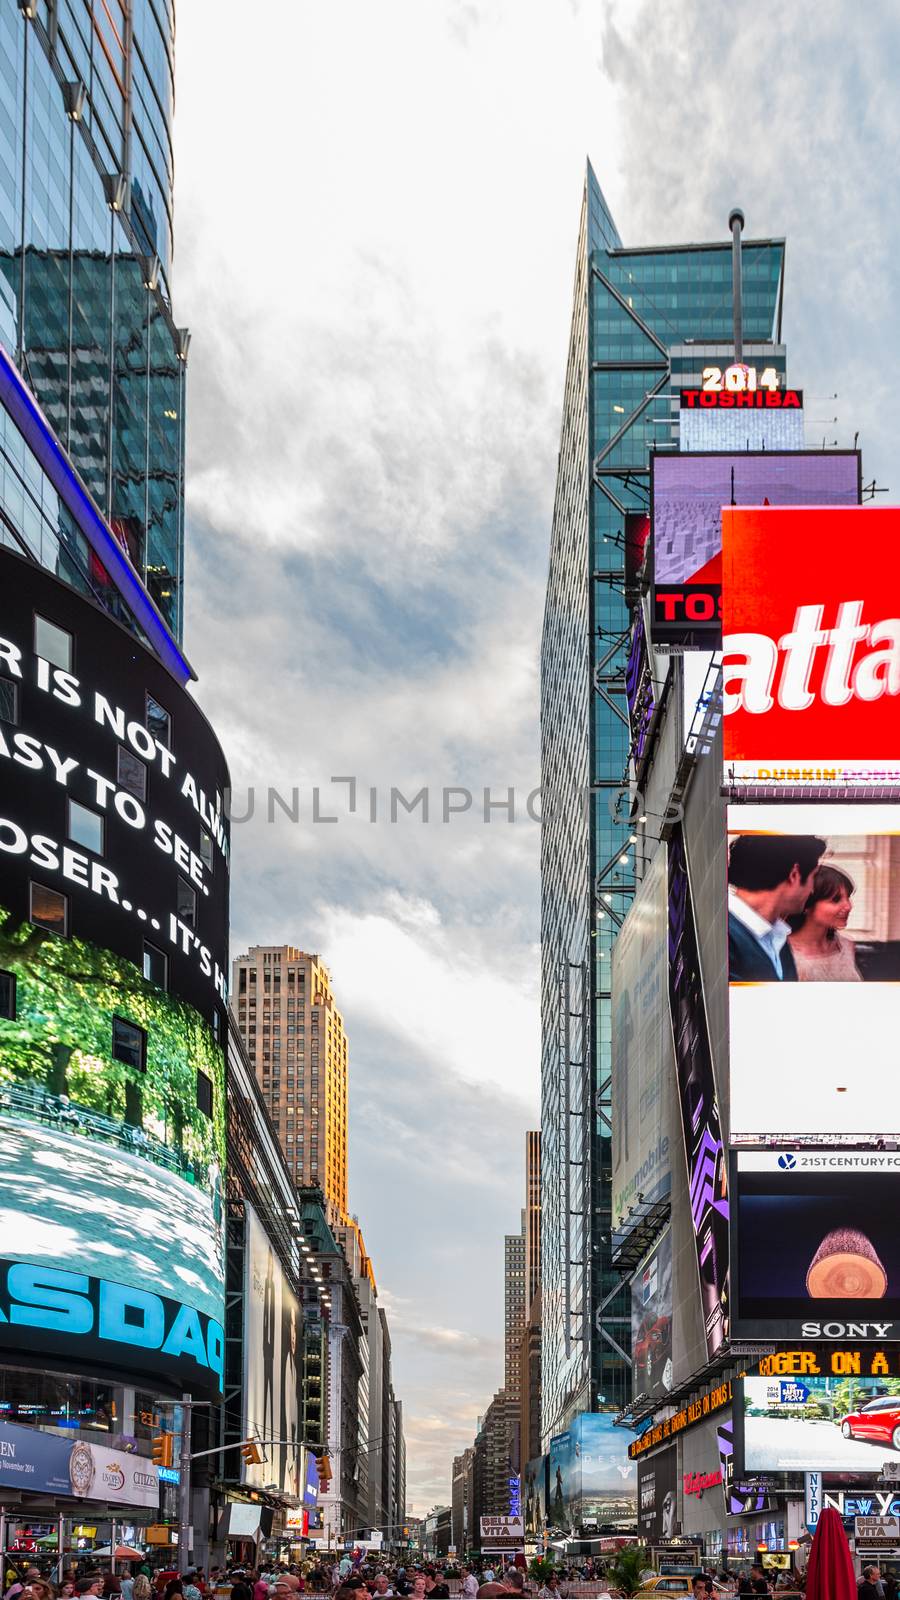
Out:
{"x": 846, "y": 1330}
{"x": 762, "y": 670}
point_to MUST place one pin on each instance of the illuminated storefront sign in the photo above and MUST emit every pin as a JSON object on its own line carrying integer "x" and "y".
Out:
{"x": 749, "y": 399}
{"x": 687, "y": 1416}
{"x": 865, "y": 1360}
{"x": 811, "y": 641}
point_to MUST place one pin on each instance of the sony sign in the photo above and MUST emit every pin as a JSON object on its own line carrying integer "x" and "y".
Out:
{"x": 846, "y": 1330}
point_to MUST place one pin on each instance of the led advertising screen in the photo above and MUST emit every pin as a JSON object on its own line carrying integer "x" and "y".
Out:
{"x": 719, "y": 428}
{"x": 701, "y": 1128}
{"x": 592, "y": 1481}
{"x": 640, "y": 693}
{"x": 534, "y": 1496}
{"x": 657, "y": 1493}
{"x": 820, "y": 1424}
{"x": 818, "y": 1250}
{"x": 688, "y": 493}
{"x": 272, "y": 1320}
{"x": 641, "y": 1053}
{"x": 113, "y": 941}
{"x": 814, "y": 967}
{"x": 651, "y": 1322}
{"x": 811, "y": 647}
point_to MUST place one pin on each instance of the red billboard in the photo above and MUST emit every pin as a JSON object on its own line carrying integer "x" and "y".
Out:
{"x": 811, "y": 646}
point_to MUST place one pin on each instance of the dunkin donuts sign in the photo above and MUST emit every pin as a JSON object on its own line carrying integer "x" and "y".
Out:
{"x": 811, "y": 646}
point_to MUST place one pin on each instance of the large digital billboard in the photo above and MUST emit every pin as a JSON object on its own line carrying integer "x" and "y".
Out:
{"x": 592, "y": 1481}
{"x": 641, "y": 1052}
{"x": 811, "y": 647}
{"x": 701, "y": 1127}
{"x": 688, "y": 494}
{"x": 820, "y": 1424}
{"x": 113, "y": 945}
{"x": 818, "y": 1250}
{"x": 657, "y": 1496}
{"x": 814, "y": 968}
{"x": 534, "y": 1496}
{"x": 272, "y": 1320}
{"x": 651, "y": 1322}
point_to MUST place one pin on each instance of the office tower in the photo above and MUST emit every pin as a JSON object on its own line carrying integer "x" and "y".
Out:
{"x": 532, "y": 1215}
{"x": 513, "y": 1310}
{"x": 85, "y": 269}
{"x": 294, "y": 1035}
{"x": 530, "y": 1340}
{"x": 630, "y": 307}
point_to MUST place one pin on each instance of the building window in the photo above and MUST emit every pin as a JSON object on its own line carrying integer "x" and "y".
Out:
{"x": 206, "y": 851}
{"x": 129, "y": 1044}
{"x": 54, "y": 644}
{"x": 8, "y": 996}
{"x": 156, "y": 966}
{"x": 186, "y": 903}
{"x": 86, "y": 827}
{"x": 159, "y": 723}
{"x": 9, "y": 701}
{"x": 131, "y": 773}
{"x": 204, "y": 1094}
{"x": 48, "y": 908}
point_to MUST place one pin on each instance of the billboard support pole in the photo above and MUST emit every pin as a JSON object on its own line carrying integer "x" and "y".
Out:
{"x": 184, "y": 1484}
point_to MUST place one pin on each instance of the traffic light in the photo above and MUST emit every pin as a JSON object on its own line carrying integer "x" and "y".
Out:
{"x": 251, "y": 1453}
{"x": 323, "y": 1467}
{"x": 162, "y": 1449}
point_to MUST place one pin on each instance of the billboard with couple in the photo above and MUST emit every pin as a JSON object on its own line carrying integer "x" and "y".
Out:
{"x": 813, "y": 909}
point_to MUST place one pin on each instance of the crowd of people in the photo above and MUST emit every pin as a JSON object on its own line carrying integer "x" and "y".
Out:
{"x": 368, "y": 1578}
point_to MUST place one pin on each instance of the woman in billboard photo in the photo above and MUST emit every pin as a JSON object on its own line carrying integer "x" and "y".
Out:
{"x": 821, "y": 950}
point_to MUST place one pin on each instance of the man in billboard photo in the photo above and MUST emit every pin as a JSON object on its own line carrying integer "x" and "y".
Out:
{"x": 821, "y": 950}
{"x": 770, "y": 878}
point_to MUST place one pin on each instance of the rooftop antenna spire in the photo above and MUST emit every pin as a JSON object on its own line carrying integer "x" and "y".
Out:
{"x": 736, "y": 223}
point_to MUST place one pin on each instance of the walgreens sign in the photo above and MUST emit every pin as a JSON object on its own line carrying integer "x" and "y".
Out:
{"x": 811, "y": 646}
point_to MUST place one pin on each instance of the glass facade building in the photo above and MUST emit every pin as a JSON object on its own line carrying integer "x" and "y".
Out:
{"x": 85, "y": 258}
{"x": 630, "y": 307}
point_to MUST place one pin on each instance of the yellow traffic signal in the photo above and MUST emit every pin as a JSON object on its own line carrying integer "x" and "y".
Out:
{"x": 251, "y": 1453}
{"x": 162, "y": 1449}
{"x": 323, "y": 1467}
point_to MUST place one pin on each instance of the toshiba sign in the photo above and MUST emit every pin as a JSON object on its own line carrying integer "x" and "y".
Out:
{"x": 811, "y": 646}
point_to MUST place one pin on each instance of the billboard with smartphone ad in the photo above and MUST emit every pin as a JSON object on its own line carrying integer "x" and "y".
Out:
{"x": 687, "y": 496}
{"x": 811, "y": 647}
{"x": 816, "y": 1245}
{"x": 814, "y": 968}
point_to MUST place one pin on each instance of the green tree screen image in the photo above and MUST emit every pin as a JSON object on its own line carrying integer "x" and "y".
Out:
{"x": 112, "y": 1122}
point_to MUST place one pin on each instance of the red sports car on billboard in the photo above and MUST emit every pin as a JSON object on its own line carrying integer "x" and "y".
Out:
{"x": 878, "y": 1421}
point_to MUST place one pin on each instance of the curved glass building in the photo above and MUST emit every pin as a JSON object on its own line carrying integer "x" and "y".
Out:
{"x": 86, "y": 177}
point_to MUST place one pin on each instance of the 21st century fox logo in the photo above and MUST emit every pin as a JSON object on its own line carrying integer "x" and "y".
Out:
{"x": 789, "y": 1161}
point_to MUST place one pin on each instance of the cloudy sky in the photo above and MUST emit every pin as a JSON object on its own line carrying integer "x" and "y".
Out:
{"x": 376, "y": 221}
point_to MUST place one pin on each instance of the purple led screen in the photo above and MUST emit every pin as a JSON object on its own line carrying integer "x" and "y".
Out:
{"x": 639, "y": 690}
{"x": 689, "y": 491}
{"x": 704, "y": 1153}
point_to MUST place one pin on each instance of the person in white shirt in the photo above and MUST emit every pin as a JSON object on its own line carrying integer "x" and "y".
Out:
{"x": 770, "y": 878}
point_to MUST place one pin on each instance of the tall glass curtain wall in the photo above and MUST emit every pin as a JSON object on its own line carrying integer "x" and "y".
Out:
{"x": 641, "y": 302}
{"x": 85, "y": 257}
{"x": 629, "y": 307}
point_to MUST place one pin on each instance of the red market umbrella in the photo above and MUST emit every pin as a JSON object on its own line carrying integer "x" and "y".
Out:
{"x": 829, "y": 1571}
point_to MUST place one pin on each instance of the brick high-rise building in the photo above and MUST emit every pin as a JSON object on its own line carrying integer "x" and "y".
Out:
{"x": 295, "y": 1038}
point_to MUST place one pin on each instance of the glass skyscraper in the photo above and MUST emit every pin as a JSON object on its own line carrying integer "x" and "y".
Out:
{"x": 630, "y": 308}
{"x": 85, "y": 260}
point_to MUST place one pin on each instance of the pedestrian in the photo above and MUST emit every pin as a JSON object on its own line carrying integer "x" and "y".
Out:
{"x": 872, "y": 1586}
{"x": 143, "y": 1588}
